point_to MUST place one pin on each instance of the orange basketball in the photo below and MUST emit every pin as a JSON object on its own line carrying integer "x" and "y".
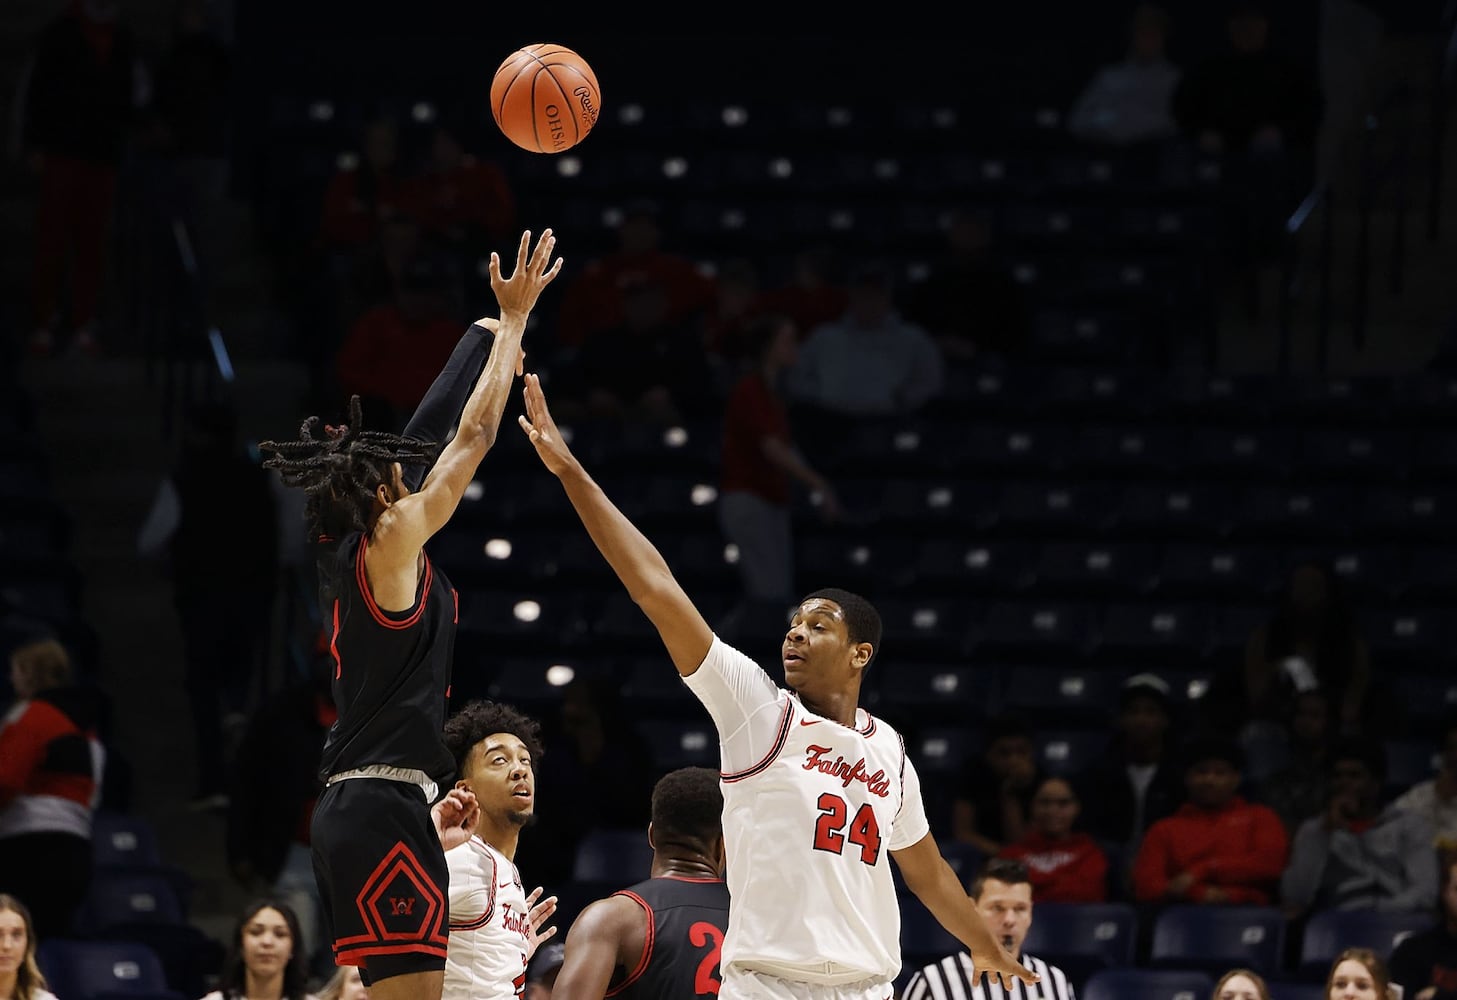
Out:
{"x": 545, "y": 98}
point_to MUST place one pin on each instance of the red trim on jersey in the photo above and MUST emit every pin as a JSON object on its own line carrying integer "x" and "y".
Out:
{"x": 455, "y": 596}
{"x": 381, "y": 616}
{"x": 356, "y": 956}
{"x": 685, "y": 878}
{"x": 480, "y": 921}
{"x": 779, "y": 742}
{"x": 647, "y": 944}
{"x": 869, "y": 725}
{"x": 334, "y": 643}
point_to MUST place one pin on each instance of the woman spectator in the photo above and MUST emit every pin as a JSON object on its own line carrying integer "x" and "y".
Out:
{"x": 263, "y": 961}
{"x": 344, "y": 984}
{"x": 20, "y": 976}
{"x": 1065, "y": 865}
{"x": 1358, "y": 974}
{"x": 1424, "y": 964}
{"x": 1240, "y": 984}
{"x": 50, "y": 781}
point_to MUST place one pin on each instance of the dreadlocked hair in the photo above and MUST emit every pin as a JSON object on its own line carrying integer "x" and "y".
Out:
{"x": 340, "y": 471}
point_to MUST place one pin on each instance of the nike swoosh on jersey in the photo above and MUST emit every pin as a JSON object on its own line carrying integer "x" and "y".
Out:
{"x": 810, "y": 722}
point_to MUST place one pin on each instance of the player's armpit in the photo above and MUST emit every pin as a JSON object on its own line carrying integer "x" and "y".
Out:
{"x": 608, "y": 933}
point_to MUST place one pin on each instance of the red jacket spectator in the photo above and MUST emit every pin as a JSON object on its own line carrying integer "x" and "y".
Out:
{"x": 1217, "y": 848}
{"x": 461, "y": 199}
{"x": 1233, "y": 854}
{"x": 1071, "y": 869}
{"x": 360, "y": 195}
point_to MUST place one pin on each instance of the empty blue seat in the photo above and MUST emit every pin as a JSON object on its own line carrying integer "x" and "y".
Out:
{"x": 679, "y": 743}
{"x": 1033, "y": 631}
{"x": 87, "y": 970}
{"x": 606, "y": 856}
{"x": 1214, "y": 938}
{"x": 1329, "y": 932}
{"x": 122, "y": 840}
{"x": 1239, "y": 453}
{"x": 975, "y": 566}
{"x": 924, "y": 628}
{"x": 1063, "y": 695}
{"x": 1066, "y": 509}
{"x": 1095, "y": 569}
{"x": 1181, "y": 510}
{"x": 936, "y": 691}
{"x": 1350, "y": 455}
{"x": 1280, "y": 513}
{"x": 942, "y": 749}
{"x": 1410, "y": 761}
{"x": 1285, "y": 989}
{"x": 1195, "y": 570}
{"x": 1157, "y": 632}
{"x": 120, "y": 897}
{"x": 1104, "y": 933}
{"x": 1407, "y": 636}
{"x": 1068, "y": 752}
{"x": 1147, "y": 984}
{"x": 923, "y": 939}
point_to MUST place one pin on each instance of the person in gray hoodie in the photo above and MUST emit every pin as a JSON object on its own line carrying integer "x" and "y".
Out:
{"x": 1357, "y": 854}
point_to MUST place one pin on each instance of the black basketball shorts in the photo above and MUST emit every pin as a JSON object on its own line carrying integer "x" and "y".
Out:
{"x": 382, "y": 877}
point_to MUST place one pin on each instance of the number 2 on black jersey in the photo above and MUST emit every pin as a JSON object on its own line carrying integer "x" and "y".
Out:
{"x": 706, "y": 978}
{"x": 864, "y": 831}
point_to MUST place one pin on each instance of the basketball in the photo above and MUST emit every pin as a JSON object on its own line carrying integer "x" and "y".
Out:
{"x": 545, "y": 98}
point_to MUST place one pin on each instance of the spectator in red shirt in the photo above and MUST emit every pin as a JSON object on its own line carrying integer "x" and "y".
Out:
{"x": 593, "y": 301}
{"x": 460, "y": 200}
{"x": 812, "y": 295}
{"x": 394, "y": 351}
{"x": 759, "y": 462}
{"x": 365, "y": 191}
{"x": 1217, "y": 848}
{"x": 1065, "y": 865}
{"x": 50, "y": 776}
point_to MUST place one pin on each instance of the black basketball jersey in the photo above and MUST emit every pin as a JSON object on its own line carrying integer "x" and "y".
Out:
{"x": 687, "y": 919}
{"x": 391, "y": 668}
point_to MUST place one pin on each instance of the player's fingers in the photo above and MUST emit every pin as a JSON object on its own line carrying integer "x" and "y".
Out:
{"x": 493, "y": 267}
{"x": 523, "y": 252}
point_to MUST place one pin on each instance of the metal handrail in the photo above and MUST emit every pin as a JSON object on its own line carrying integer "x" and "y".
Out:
{"x": 1321, "y": 198}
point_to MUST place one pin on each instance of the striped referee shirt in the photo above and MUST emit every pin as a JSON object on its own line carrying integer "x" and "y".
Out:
{"x": 951, "y": 979}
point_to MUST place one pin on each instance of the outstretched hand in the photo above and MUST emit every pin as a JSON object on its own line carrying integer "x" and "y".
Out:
{"x": 537, "y": 914}
{"x": 542, "y": 430}
{"x": 1005, "y": 968}
{"x": 533, "y": 272}
{"x": 456, "y": 817}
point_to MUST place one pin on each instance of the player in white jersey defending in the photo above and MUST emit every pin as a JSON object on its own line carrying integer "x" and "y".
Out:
{"x": 495, "y": 927}
{"x": 1003, "y": 894}
{"x": 816, "y": 790}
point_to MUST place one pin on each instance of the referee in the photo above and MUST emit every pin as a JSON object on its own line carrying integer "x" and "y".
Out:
{"x": 1003, "y": 895}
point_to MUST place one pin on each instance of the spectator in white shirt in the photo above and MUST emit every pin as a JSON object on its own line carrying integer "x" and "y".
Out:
{"x": 1131, "y": 101}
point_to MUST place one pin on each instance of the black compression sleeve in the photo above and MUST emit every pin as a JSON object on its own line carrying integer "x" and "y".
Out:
{"x": 440, "y": 409}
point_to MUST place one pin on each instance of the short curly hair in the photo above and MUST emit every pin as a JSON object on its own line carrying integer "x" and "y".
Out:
{"x": 477, "y": 719}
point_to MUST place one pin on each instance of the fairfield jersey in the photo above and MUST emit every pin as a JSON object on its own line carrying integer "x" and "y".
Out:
{"x": 811, "y": 813}
{"x": 489, "y": 927}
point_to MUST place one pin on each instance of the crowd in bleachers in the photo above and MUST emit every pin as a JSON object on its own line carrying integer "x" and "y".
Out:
{"x": 1173, "y": 639}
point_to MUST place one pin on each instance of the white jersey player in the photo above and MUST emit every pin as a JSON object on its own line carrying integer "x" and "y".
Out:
{"x": 816, "y": 791}
{"x": 494, "y": 923}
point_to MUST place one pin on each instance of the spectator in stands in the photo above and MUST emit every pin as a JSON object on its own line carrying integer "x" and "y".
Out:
{"x": 394, "y": 350}
{"x": 344, "y": 984}
{"x": 870, "y": 361}
{"x": 1064, "y": 864}
{"x": 20, "y": 975}
{"x": 264, "y": 961}
{"x": 1297, "y": 790}
{"x": 1139, "y": 779}
{"x": 1424, "y": 964}
{"x": 650, "y": 367}
{"x": 1002, "y": 891}
{"x": 994, "y": 795}
{"x": 271, "y": 801}
{"x": 50, "y": 778}
{"x": 760, "y": 466}
{"x": 193, "y": 102}
{"x": 462, "y": 201}
{"x": 1436, "y": 798}
{"x": 812, "y": 294}
{"x": 1217, "y": 848}
{"x": 1240, "y": 984}
{"x": 594, "y": 300}
{"x": 78, "y": 114}
{"x": 969, "y": 301}
{"x": 224, "y": 616}
{"x": 734, "y": 309}
{"x": 1357, "y": 855}
{"x": 599, "y": 770}
{"x": 365, "y": 190}
{"x": 1131, "y": 101}
{"x": 1260, "y": 111}
{"x": 1310, "y": 640}
{"x": 1358, "y": 974}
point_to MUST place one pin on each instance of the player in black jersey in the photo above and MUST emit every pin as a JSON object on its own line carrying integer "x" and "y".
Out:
{"x": 391, "y": 616}
{"x": 660, "y": 938}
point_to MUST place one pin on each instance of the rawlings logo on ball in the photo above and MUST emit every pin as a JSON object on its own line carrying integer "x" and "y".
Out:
{"x": 545, "y": 98}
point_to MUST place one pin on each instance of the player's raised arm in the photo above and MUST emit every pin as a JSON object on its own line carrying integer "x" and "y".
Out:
{"x": 635, "y": 560}
{"x": 435, "y": 417}
{"x": 929, "y": 876}
{"x": 408, "y": 523}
